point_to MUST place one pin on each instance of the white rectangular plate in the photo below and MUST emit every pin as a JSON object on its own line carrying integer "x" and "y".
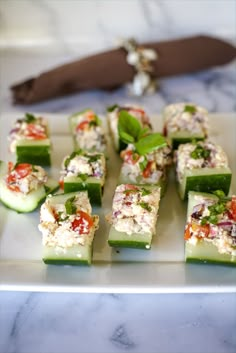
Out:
{"x": 161, "y": 269}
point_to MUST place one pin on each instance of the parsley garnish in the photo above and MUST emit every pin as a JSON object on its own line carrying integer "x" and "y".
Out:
{"x": 200, "y": 152}
{"x": 146, "y": 206}
{"x": 146, "y": 192}
{"x": 111, "y": 108}
{"x": 190, "y": 109}
{"x": 29, "y": 118}
{"x": 70, "y": 206}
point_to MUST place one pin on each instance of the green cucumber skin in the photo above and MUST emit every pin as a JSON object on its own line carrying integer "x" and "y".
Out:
{"x": 70, "y": 262}
{"x": 208, "y": 183}
{"x": 129, "y": 244}
{"x": 211, "y": 262}
{"x": 94, "y": 190}
{"x": 38, "y": 155}
{"x": 123, "y": 240}
{"x": 53, "y": 187}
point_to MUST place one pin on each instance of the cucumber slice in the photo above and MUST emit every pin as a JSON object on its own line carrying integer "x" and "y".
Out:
{"x": 179, "y": 137}
{"x": 122, "y": 239}
{"x": 94, "y": 186}
{"x": 162, "y": 183}
{"x": 34, "y": 152}
{"x": 203, "y": 251}
{"x": 207, "y": 253}
{"x": 76, "y": 255}
{"x": 26, "y": 203}
{"x": 205, "y": 180}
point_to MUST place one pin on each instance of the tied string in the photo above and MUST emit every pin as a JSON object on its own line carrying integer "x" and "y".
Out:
{"x": 141, "y": 59}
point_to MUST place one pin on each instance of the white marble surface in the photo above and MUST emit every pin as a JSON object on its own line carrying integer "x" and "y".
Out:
{"x": 76, "y": 322}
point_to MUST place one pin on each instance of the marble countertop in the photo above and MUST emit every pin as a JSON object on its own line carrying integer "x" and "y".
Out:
{"x": 86, "y": 322}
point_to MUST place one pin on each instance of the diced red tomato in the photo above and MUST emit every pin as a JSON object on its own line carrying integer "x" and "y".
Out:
{"x": 20, "y": 171}
{"x": 129, "y": 157}
{"x": 83, "y": 125}
{"x": 187, "y": 233}
{"x": 148, "y": 170}
{"x": 204, "y": 229}
{"x": 82, "y": 223}
{"x": 61, "y": 183}
{"x": 35, "y": 132}
{"x": 233, "y": 207}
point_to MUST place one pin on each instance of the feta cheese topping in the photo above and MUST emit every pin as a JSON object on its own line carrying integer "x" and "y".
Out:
{"x": 185, "y": 117}
{"x": 204, "y": 154}
{"x": 88, "y": 132}
{"x": 29, "y": 128}
{"x": 135, "y": 111}
{"x": 66, "y": 224}
{"x": 24, "y": 177}
{"x": 84, "y": 164}
{"x": 214, "y": 222}
{"x": 135, "y": 209}
{"x": 146, "y": 169}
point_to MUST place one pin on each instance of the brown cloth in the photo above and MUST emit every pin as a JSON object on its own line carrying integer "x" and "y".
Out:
{"x": 108, "y": 70}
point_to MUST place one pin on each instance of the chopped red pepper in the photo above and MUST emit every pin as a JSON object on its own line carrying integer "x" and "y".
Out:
{"x": 82, "y": 223}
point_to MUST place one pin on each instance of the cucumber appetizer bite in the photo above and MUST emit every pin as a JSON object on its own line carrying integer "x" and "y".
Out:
{"x": 29, "y": 139}
{"x": 134, "y": 216}
{"x": 210, "y": 231}
{"x": 202, "y": 166}
{"x": 24, "y": 186}
{"x": 84, "y": 171}
{"x": 113, "y": 115}
{"x": 150, "y": 168}
{"x": 68, "y": 227}
{"x": 87, "y": 130}
{"x": 184, "y": 122}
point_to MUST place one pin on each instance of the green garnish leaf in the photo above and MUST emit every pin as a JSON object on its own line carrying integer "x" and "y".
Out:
{"x": 29, "y": 118}
{"x": 219, "y": 193}
{"x": 145, "y": 206}
{"x": 146, "y": 192}
{"x": 111, "y": 108}
{"x": 46, "y": 188}
{"x": 150, "y": 143}
{"x": 95, "y": 122}
{"x": 200, "y": 152}
{"x": 190, "y": 109}
{"x": 143, "y": 164}
{"x": 70, "y": 206}
{"x": 94, "y": 158}
{"x": 83, "y": 177}
{"x": 129, "y": 127}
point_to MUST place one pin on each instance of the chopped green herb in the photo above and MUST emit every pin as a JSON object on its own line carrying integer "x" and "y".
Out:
{"x": 219, "y": 193}
{"x": 215, "y": 210}
{"x": 95, "y": 122}
{"x": 29, "y": 118}
{"x": 200, "y": 152}
{"x": 145, "y": 206}
{"x": 143, "y": 164}
{"x": 190, "y": 109}
{"x": 46, "y": 188}
{"x": 70, "y": 206}
{"x": 146, "y": 192}
{"x": 83, "y": 177}
{"x": 94, "y": 158}
{"x": 111, "y": 108}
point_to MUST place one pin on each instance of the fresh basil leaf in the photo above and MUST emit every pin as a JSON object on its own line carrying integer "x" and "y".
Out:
{"x": 128, "y": 125}
{"x": 70, "y": 206}
{"x": 126, "y": 137}
{"x": 190, "y": 109}
{"x": 111, "y": 108}
{"x": 150, "y": 143}
{"x": 143, "y": 132}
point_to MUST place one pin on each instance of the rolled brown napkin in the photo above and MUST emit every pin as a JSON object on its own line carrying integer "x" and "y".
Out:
{"x": 108, "y": 70}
